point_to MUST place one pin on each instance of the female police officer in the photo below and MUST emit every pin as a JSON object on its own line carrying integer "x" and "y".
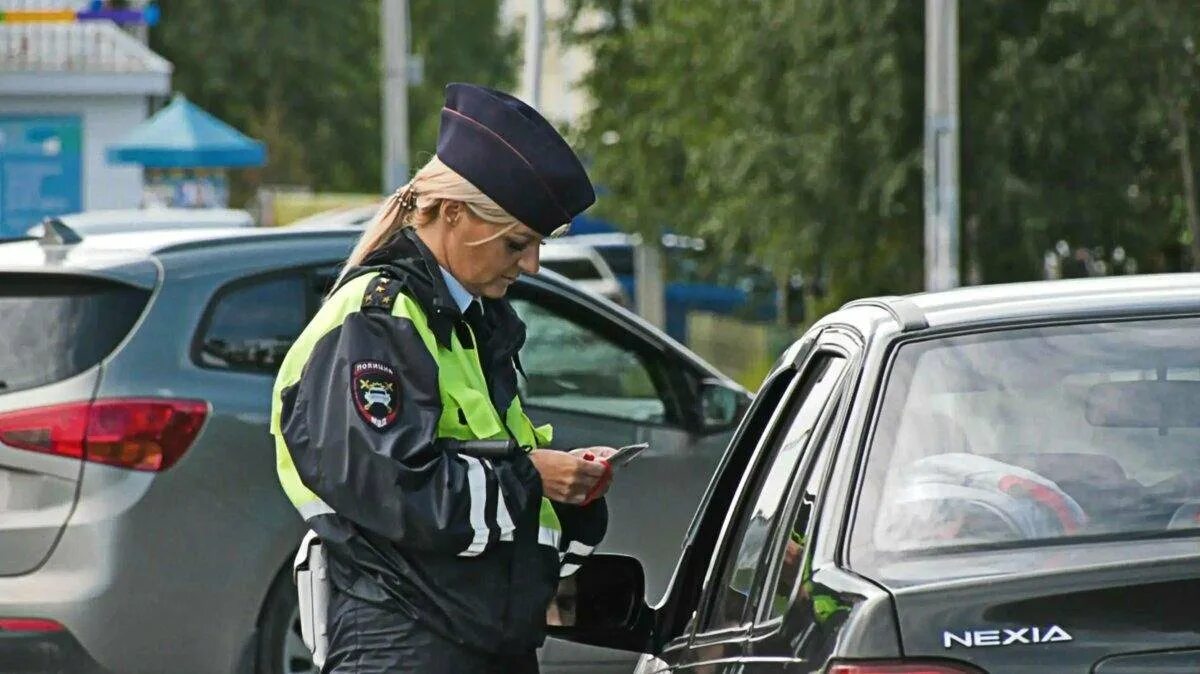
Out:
{"x": 441, "y": 560}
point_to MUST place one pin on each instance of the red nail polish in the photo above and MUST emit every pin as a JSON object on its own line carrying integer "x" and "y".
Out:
{"x": 588, "y": 456}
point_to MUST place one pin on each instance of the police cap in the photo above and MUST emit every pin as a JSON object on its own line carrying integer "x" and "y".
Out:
{"x": 514, "y": 156}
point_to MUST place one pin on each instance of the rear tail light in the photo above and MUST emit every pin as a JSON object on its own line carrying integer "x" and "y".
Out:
{"x": 30, "y": 625}
{"x": 143, "y": 434}
{"x": 51, "y": 430}
{"x": 902, "y": 667}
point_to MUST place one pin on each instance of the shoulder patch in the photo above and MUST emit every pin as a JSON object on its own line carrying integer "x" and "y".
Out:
{"x": 375, "y": 389}
{"x": 381, "y": 293}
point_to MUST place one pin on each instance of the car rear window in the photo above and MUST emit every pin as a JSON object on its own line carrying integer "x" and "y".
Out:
{"x": 1028, "y": 437}
{"x": 54, "y": 327}
{"x": 580, "y": 269}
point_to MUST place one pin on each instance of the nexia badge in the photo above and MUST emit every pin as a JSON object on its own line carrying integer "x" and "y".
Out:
{"x": 1005, "y": 637}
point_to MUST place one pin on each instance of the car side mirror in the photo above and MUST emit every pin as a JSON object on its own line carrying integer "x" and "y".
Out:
{"x": 603, "y": 604}
{"x": 721, "y": 407}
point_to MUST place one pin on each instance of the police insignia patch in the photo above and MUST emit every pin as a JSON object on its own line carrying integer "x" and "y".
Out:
{"x": 376, "y": 392}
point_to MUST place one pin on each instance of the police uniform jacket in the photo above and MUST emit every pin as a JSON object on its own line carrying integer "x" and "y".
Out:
{"x": 364, "y": 404}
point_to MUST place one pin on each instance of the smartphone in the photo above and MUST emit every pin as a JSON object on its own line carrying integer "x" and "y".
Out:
{"x": 627, "y": 453}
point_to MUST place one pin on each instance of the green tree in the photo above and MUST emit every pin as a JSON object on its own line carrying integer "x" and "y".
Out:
{"x": 791, "y": 130}
{"x": 1071, "y": 131}
{"x": 461, "y": 41}
{"x": 780, "y": 130}
{"x": 1164, "y": 35}
{"x": 304, "y": 76}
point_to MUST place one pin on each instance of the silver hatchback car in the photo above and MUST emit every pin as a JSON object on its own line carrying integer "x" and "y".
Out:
{"x": 141, "y": 525}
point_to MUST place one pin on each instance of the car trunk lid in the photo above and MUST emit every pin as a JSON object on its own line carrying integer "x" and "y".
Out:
{"x": 1110, "y": 608}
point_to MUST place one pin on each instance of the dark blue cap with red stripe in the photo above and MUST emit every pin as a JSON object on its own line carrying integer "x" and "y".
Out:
{"x": 513, "y": 155}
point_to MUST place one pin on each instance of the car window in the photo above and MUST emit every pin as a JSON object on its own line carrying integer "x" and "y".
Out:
{"x": 1025, "y": 436}
{"x": 688, "y": 587}
{"x": 793, "y": 564}
{"x": 743, "y": 554}
{"x": 251, "y": 325}
{"x": 55, "y": 327}
{"x": 320, "y": 282}
{"x": 571, "y": 367}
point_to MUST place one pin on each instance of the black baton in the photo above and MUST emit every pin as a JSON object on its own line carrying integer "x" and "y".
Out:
{"x": 483, "y": 449}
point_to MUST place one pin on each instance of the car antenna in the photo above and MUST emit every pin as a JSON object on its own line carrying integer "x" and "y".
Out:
{"x": 56, "y": 233}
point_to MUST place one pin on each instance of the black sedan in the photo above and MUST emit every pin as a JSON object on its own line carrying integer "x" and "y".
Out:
{"x": 992, "y": 480}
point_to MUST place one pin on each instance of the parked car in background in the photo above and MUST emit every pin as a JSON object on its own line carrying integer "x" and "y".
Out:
{"x": 993, "y": 480}
{"x": 585, "y": 267}
{"x": 142, "y": 527}
{"x": 142, "y": 219}
{"x": 581, "y": 264}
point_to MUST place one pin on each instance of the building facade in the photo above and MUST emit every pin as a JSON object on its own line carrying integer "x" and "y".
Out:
{"x": 67, "y": 91}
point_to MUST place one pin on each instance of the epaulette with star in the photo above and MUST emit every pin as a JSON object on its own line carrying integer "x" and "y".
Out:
{"x": 381, "y": 293}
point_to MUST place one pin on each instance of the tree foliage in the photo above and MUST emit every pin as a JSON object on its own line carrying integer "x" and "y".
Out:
{"x": 304, "y": 76}
{"x": 790, "y": 131}
{"x": 776, "y": 129}
{"x": 1068, "y": 133}
{"x": 462, "y": 42}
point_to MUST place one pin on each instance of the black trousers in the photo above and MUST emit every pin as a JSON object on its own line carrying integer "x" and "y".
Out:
{"x": 365, "y": 638}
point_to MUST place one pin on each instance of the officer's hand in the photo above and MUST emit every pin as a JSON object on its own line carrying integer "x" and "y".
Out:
{"x": 566, "y": 478}
{"x": 601, "y": 454}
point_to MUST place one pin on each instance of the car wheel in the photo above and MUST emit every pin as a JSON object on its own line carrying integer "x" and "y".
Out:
{"x": 281, "y": 649}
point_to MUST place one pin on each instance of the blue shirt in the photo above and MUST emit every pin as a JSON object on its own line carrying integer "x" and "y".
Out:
{"x": 462, "y": 296}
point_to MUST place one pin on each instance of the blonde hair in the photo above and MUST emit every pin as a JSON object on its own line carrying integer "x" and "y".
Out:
{"x": 417, "y": 204}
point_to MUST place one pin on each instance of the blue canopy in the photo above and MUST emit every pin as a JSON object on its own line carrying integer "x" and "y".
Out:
{"x": 182, "y": 135}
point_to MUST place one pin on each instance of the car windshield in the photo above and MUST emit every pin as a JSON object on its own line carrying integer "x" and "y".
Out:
{"x": 1025, "y": 437}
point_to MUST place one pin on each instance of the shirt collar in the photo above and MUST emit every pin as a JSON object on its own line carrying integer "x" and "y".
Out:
{"x": 462, "y": 297}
